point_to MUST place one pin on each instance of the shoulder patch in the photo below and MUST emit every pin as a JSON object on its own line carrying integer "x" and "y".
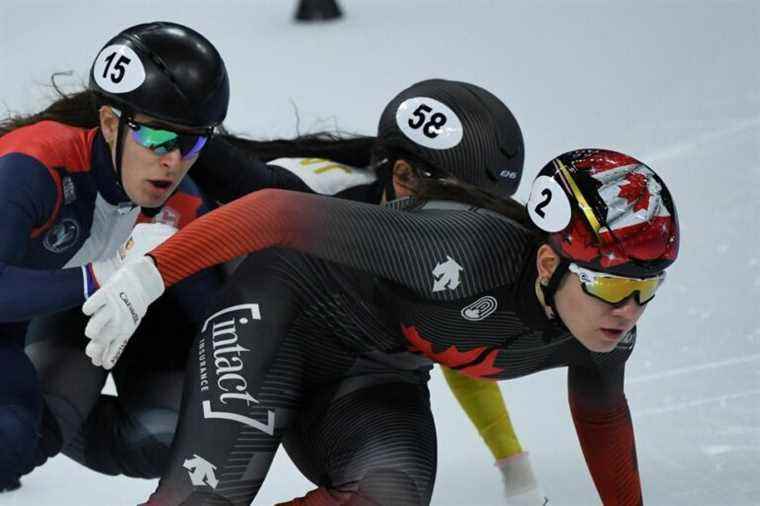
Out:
{"x": 62, "y": 236}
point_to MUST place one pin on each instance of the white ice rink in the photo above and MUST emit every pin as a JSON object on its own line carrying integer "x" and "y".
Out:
{"x": 675, "y": 83}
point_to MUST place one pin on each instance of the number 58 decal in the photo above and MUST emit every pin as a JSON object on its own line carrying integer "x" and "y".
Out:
{"x": 429, "y": 122}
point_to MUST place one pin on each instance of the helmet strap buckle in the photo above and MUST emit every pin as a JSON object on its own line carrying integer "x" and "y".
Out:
{"x": 120, "y": 133}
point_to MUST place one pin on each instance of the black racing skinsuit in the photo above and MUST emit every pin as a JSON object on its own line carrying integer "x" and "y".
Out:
{"x": 325, "y": 312}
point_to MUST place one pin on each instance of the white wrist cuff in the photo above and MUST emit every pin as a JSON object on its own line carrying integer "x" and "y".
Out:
{"x": 150, "y": 278}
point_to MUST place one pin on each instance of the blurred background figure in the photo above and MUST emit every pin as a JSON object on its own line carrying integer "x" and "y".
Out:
{"x": 317, "y": 10}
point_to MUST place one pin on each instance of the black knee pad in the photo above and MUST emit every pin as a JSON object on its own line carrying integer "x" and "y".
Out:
{"x": 119, "y": 440}
{"x": 18, "y": 441}
{"x": 133, "y": 442}
{"x": 147, "y": 440}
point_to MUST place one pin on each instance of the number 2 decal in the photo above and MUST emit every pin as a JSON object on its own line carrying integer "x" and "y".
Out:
{"x": 547, "y": 193}
{"x": 548, "y": 206}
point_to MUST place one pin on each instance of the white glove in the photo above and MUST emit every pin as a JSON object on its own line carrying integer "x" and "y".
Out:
{"x": 144, "y": 238}
{"x": 117, "y": 309}
{"x": 520, "y": 484}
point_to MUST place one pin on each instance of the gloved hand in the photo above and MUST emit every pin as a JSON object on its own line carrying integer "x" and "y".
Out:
{"x": 144, "y": 238}
{"x": 520, "y": 484}
{"x": 117, "y": 308}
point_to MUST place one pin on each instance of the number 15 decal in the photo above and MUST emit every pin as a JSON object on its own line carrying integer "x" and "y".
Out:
{"x": 429, "y": 122}
{"x": 118, "y": 69}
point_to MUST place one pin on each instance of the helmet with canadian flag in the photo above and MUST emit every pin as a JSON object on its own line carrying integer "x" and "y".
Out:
{"x": 606, "y": 211}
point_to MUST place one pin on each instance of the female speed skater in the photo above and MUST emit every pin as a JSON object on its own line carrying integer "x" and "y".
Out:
{"x": 75, "y": 179}
{"x": 489, "y": 156}
{"x": 334, "y": 292}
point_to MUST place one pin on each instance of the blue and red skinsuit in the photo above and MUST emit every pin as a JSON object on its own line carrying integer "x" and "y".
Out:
{"x": 62, "y": 208}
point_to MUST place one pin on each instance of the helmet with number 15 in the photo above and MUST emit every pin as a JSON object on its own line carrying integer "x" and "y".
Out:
{"x": 166, "y": 71}
{"x": 170, "y": 76}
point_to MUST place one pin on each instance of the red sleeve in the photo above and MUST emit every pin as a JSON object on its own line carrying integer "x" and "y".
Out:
{"x": 400, "y": 246}
{"x": 604, "y": 427}
{"x": 254, "y": 222}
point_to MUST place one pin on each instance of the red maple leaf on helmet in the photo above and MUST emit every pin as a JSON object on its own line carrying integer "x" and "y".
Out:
{"x": 636, "y": 191}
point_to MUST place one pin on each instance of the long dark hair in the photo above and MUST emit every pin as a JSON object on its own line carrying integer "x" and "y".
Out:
{"x": 430, "y": 184}
{"x": 367, "y": 151}
{"x": 353, "y": 150}
{"x": 79, "y": 109}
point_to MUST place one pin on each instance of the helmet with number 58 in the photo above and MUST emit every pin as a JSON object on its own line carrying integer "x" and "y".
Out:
{"x": 458, "y": 129}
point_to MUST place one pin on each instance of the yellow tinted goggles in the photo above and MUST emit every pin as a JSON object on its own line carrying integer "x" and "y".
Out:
{"x": 615, "y": 289}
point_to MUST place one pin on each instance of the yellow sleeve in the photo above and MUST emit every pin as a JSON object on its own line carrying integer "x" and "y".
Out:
{"x": 484, "y": 405}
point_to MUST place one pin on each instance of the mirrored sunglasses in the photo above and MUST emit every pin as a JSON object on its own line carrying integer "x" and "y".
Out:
{"x": 161, "y": 141}
{"x": 615, "y": 289}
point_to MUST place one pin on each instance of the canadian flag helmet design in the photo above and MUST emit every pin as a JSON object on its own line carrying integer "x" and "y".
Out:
{"x": 606, "y": 211}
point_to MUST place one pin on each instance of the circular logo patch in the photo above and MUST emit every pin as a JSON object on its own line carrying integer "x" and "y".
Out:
{"x": 118, "y": 69}
{"x": 429, "y": 123}
{"x": 480, "y": 309}
{"x": 61, "y": 236}
{"x": 548, "y": 205}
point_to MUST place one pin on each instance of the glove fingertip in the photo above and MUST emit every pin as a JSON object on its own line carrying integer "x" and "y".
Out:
{"x": 94, "y": 351}
{"x": 109, "y": 358}
{"x": 92, "y": 303}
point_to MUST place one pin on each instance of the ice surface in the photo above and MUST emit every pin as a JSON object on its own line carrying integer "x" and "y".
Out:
{"x": 674, "y": 83}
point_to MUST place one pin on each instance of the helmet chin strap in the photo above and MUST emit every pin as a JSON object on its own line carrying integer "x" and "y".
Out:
{"x": 120, "y": 150}
{"x": 390, "y": 190}
{"x": 550, "y": 289}
{"x": 383, "y": 172}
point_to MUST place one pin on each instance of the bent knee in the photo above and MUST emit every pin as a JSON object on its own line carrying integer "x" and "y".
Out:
{"x": 393, "y": 486}
{"x": 385, "y": 486}
{"x": 158, "y": 424}
{"x": 148, "y": 442}
{"x": 18, "y": 439}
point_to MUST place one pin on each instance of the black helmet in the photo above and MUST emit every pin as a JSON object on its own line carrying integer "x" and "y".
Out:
{"x": 164, "y": 70}
{"x": 457, "y": 129}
